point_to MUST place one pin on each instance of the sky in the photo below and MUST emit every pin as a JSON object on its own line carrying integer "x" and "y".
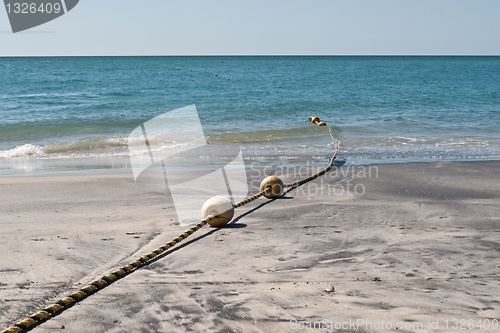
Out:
{"x": 271, "y": 27}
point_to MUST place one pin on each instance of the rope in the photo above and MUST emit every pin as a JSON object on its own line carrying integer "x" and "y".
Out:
{"x": 321, "y": 172}
{"x": 252, "y": 198}
{"x": 299, "y": 182}
{"x": 66, "y": 302}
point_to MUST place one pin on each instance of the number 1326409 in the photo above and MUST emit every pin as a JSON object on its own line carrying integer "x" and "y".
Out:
{"x": 32, "y": 8}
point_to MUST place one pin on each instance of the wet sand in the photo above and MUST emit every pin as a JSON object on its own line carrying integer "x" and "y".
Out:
{"x": 408, "y": 245}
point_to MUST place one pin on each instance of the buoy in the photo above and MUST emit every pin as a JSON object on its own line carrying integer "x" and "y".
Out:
{"x": 215, "y": 75}
{"x": 315, "y": 120}
{"x": 221, "y": 207}
{"x": 177, "y": 68}
{"x": 276, "y": 185}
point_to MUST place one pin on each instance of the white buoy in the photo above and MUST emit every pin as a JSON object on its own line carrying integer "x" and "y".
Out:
{"x": 221, "y": 207}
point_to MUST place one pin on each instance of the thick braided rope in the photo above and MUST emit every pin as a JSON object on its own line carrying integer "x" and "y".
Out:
{"x": 88, "y": 290}
{"x": 252, "y": 198}
{"x": 101, "y": 283}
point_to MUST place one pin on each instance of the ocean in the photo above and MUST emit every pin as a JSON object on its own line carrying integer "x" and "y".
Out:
{"x": 60, "y": 114}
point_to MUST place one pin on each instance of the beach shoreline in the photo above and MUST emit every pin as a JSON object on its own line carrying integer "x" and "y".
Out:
{"x": 416, "y": 243}
{"x": 431, "y": 107}
{"x": 71, "y": 166}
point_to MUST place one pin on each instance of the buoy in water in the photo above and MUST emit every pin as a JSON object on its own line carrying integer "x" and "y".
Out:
{"x": 315, "y": 120}
{"x": 275, "y": 184}
{"x": 221, "y": 207}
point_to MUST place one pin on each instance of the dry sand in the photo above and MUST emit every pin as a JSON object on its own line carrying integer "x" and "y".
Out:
{"x": 420, "y": 245}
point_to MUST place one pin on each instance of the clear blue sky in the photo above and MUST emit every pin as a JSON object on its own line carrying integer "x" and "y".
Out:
{"x": 197, "y": 27}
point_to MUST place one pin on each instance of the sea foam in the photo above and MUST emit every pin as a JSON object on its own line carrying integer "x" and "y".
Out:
{"x": 27, "y": 150}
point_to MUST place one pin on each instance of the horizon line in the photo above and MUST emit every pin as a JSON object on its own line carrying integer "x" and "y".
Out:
{"x": 262, "y": 55}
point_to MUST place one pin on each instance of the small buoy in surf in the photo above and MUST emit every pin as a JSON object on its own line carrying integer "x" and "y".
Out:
{"x": 177, "y": 68}
{"x": 315, "y": 120}
{"x": 215, "y": 75}
{"x": 275, "y": 184}
{"x": 221, "y": 207}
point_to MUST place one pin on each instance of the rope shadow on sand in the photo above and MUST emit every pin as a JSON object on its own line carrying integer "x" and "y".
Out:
{"x": 232, "y": 225}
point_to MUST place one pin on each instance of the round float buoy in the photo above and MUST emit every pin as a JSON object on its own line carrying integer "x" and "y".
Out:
{"x": 314, "y": 119}
{"x": 275, "y": 184}
{"x": 221, "y": 207}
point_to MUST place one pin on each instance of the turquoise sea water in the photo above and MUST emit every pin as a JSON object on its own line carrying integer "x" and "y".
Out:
{"x": 77, "y": 112}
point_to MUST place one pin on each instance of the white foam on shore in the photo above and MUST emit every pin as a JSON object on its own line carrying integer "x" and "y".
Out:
{"x": 27, "y": 150}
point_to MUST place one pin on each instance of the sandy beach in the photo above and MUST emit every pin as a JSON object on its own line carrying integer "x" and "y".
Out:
{"x": 414, "y": 246}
